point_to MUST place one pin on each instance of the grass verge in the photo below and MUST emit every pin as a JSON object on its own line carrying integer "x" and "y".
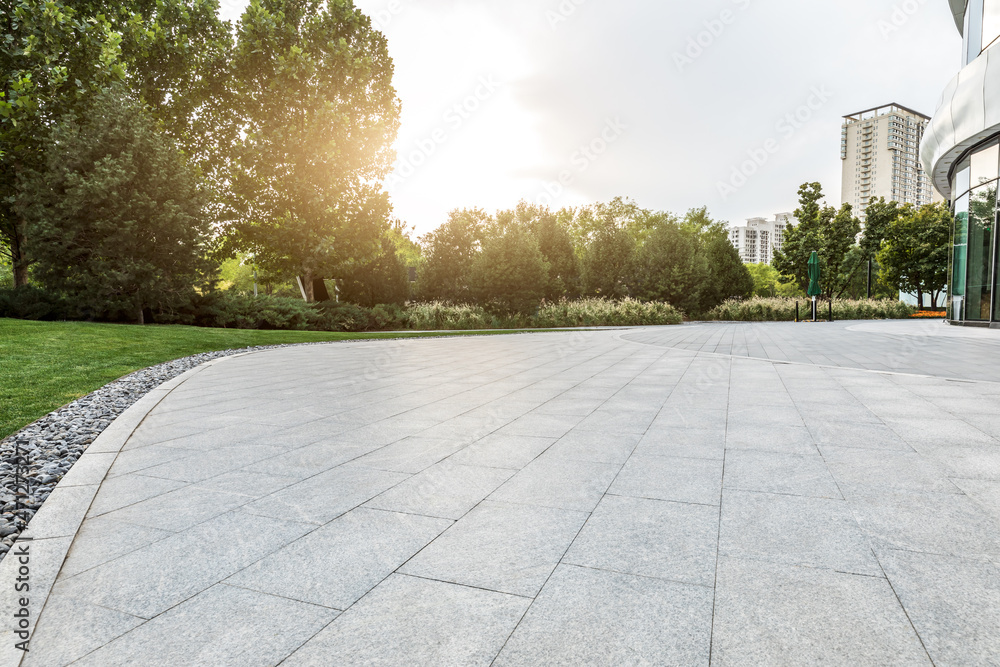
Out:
{"x": 45, "y": 365}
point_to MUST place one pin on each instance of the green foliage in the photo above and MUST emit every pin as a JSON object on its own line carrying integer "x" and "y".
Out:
{"x": 767, "y": 282}
{"x": 608, "y": 264}
{"x": 776, "y": 309}
{"x": 605, "y": 312}
{"x": 53, "y": 60}
{"x": 450, "y": 251}
{"x": 116, "y": 217}
{"x": 556, "y": 245}
{"x": 914, "y": 254}
{"x": 671, "y": 267}
{"x": 382, "y": 279}
{"x": 509, "y": 275}
{"x": 828, "y": 231}
{"x": 236, "y": 274}
{"x": 879, "y": 217}
{"x": 318, "y": 115}
{"x": 440, "y": 316}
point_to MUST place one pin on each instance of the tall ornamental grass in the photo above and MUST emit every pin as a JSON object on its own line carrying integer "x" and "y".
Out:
{"x": 782, "y": 309}
{"x": 604, "y": 312}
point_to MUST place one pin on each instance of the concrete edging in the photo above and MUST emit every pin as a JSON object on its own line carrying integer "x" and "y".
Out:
{"x": 51, "y": 531}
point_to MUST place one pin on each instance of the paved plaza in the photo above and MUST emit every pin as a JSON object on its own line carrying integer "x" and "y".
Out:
{"x": 724, "y": 494}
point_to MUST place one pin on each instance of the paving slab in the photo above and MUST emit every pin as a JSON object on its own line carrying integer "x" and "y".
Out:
{"x": 736, "y": 493}
{"x": 587, "y": 616}
{"x": 412, "y": 621}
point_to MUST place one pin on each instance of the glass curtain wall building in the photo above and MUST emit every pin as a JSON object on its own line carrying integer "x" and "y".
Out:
{"x": 961, "y": 152}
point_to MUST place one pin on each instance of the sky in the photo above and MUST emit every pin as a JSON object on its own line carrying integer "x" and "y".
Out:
{"x": 671, "y": 103}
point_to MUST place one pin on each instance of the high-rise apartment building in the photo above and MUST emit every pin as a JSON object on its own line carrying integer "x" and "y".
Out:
{"x": 880, "y": 152}
{"x": 758, "y": 238}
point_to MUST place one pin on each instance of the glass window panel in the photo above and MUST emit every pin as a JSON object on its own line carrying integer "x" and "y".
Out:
{"x": 984, "y": 165}
{"x": 991, "y": 22}
{"x": 979, "y": 283}
{"x": 963, "y": 179}
{"x": 958, "y": 261}
{"x": 974, "y": 30}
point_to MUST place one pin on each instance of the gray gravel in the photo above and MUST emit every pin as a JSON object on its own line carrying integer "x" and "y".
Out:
{"x": 51, "y": 445}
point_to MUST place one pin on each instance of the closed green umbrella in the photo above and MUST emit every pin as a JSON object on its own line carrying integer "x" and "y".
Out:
{"x": 814, "y": 288}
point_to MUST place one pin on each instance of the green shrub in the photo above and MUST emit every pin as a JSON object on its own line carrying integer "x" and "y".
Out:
{"x": 596, "y": 312}
{"x": 438, "y": 315}
{"x": 31, "y": 303}
{"x": 778, "y": 309}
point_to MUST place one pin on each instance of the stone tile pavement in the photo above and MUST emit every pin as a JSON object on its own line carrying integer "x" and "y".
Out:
{"x": 663, "y": 496}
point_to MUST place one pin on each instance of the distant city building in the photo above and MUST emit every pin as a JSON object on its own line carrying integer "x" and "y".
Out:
{"x": 879, "y": 149}
{"x": 758, "y": 238}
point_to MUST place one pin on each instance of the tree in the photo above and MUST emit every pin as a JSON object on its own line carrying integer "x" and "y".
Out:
{"x": 671, "y": 267}
{"x": 914, "y": 254}
{"x": 382, "y": 279}
{"x": 318, "y": 114}
{"x": 509, "y": 275}
{"x": 116, "y": 217}
{"x": 608, "y": 263}
{"x": 556, "y": 246}
{"x": 728, "y": 277}
{"x": 879, "y": 216}
{"x": 53, "y": 60}
{"x": 767, "y": 282}
{"x": 801, "y": 238}
{"x": 828, "y": 231}
{"x": 449, "y": 252}
{"x": 838, "y": 238}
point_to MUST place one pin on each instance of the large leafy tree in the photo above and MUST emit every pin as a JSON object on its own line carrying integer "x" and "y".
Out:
{"x": 727, "y": 277}
{"x": 449, "y": 252}
{"x": 831, "y": 232}
{"x": 672, "y": 267}
{"x": 177, "y": 55}
{"x": 318, "y": 116}
{"x": 914, "y": 253}
{"x": 608, "y": 265}
{"x": 510, "y": 274}
{"x": 53, "y": 60}
{"x": 380, "y": 279}
{"x": 116, "y": 215}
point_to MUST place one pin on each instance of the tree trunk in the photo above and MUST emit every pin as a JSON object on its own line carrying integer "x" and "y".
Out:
{"x": 920, "y": 299}
{"x": 307, "y": 286}
{"x": 18, "y": 254}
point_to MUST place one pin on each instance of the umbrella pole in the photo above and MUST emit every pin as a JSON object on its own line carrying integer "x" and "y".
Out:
{"x": 814, "y": 309}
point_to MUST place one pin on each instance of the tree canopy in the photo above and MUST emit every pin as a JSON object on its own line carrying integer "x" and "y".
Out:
{"x": 117, "y": 217}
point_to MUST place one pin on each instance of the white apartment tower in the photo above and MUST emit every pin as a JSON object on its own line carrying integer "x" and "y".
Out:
{"x": 879, "y": 149}
{"x": 758, "y": 238}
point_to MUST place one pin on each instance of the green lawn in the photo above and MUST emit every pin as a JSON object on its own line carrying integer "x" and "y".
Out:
{"x": 44, "y": 365}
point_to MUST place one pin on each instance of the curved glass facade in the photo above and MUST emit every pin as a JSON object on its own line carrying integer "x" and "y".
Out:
{"x": 973, "y": 180}
{"x": 974, "y": 256}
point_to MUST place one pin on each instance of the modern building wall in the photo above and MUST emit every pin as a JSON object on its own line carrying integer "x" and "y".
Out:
{"x": 879, "y": 150}
{"x": 961, "y": 152}
{"x": 758, "y": 238}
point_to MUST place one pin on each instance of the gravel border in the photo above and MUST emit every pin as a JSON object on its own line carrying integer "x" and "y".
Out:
{"x": 50, "y": 446}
